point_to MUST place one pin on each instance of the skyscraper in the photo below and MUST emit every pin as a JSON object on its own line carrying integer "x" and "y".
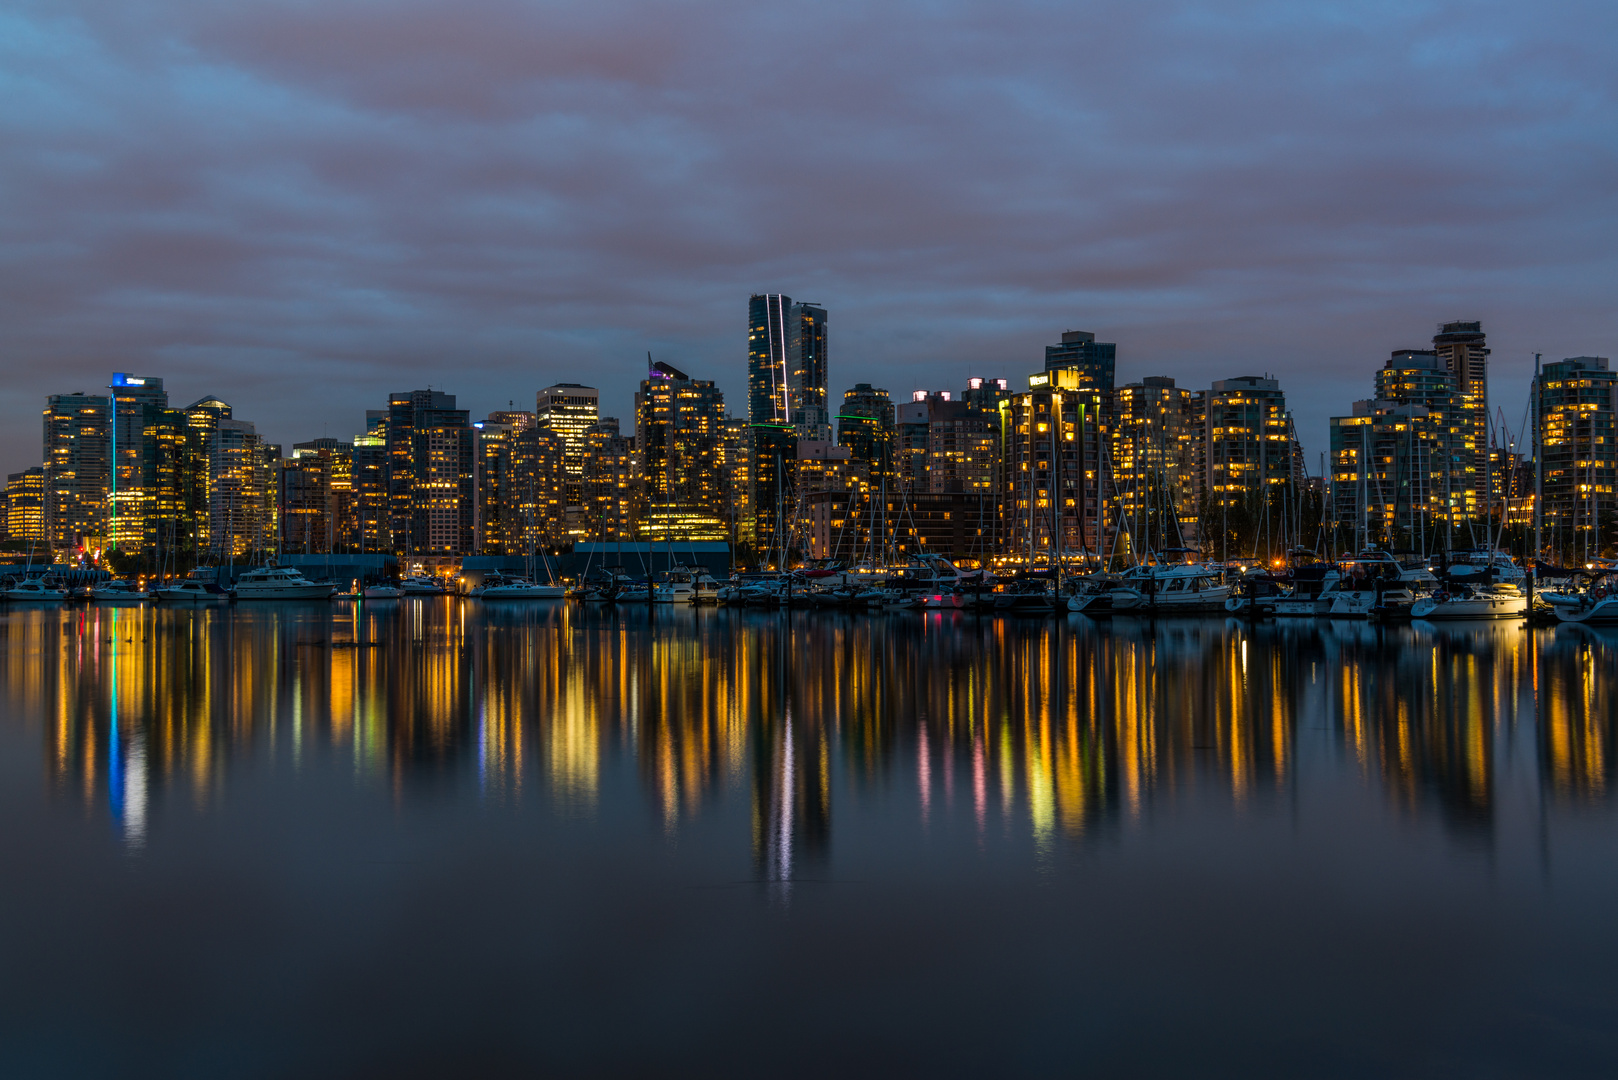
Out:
{"x": 238, "y": 483}
{"x": 680, "y": 423}
{"x": 25, "y": 507}
{"x": 570, "y": 410}
{"x": 1462, "y": 349}
{"x": 1079, "y": 351}
{"x": 786, "y": 365}
{"x": 1051, "y": 497}
{"x": 1249, "y": 455}
{"x": 135, "y": 399}
{"x": 76, "y": 477}
{"x": 1155, "y": 435}
{"x": 430, "y": 481}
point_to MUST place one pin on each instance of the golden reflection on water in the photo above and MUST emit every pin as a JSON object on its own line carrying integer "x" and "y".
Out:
{"x": 1053, "y": 727}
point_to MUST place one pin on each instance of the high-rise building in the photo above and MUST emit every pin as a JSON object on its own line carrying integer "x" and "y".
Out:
{"x": 521, "y": 487}
{"x": 570, "y": 410}
{"x": 1249, "y": 456}
{"x": 431, "y": 477}
{"x": 612, "y": 502}
{"x": 239, "y": 486}
{"x": 76, "y": 476}
{"x": 865, "y": 424}
{"x": 786, "y": 365}
{"x": 1462, "y": 349}
{"x": 1053, "y": 439}
{"x": 25, "y": 507}
{"x": 680, "y": 426}
{"x": 738, "y": 480}
{"x": 306, "y": 519}
{"x": 1156, "y": 432}
{"x": 1577, "y": 418}
{"x": 1412, "y": 459}
{"x": 372, "y": 521}
{"x": 202, "y": 418}
{"x": 136, "y": 399}
{"x": 1095, "y": 361}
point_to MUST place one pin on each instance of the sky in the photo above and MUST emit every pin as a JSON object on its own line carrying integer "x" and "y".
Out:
{"x": 303, "y": 205}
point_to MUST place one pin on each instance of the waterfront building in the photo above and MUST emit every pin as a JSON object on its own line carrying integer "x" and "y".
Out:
{"x": 738, "y": 481}
{"x": 1576, "y": 412}
{"x": 25, "y": 507}
{"x": 76, "y": 471}
{"x": 912, "y": 423}
{"x": 305, "y": 518}
{"x": 521, "y": 486}
{"x": 1053, "y": 440}
{"x": 430, "y": 474}
{"x": 865, "y": 425}
{"x": 241, "y": 520}
{"x": 1413, "y": 460}
{"x": 570, "y": 410}
{"x": 1251, "y": 465}
{"x": 1156, "y": 435}
{"x": 680, "y": 428}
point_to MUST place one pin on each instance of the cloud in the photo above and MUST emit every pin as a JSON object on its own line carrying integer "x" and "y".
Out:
{"x": 302, "y": 206}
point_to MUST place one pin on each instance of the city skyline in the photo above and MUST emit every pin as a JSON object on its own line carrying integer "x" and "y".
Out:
{"x": 262, "y": 199}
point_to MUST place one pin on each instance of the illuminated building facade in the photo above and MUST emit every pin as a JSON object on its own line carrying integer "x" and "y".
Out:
{"x": 865, "y": 424}
{"x": 1053, "y": 438}
{"x": 611, "y": 488}
{"x": 372, "y": 519}
{"x": 1462, "y": 350}
{"x": 241, "y": 492}
{"x": 136, "y": 398}
{"x": 431, "y": 475}
{"x": 786, "y": 365}
{"x": 306, "y": 518}
{"x": 1412, "y": 459}
{"x": 570, "y": 410}
{"x": 25, "y": 507}
{"x": 1249, "y": 457}
{"x": 738, "y": 480}
{"x": 1095, "y": 361}
{"x": 1155, "y": 438}
{"x": 76, "y": 473}
{"x": 1577, "y": 417}
{"x": 680, "y": 428}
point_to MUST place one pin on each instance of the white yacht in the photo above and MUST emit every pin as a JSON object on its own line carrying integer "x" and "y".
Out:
{"x": 1313, "y": 590}
{"x": 1597, "y": 604}
{"x": 1484, "y": 601}
{"x": 1186, "y": 589}
{"x": 281, "y": 583}
{"x": 1375, "y": 577}
{"x": 499, "y": 587}
{"x": 421, "y": 585}
{"x": 200, "y": 587}
{"x": 118, "y": 591}
{"x": 382, "y": 592}
{"x": 32, "y": 588}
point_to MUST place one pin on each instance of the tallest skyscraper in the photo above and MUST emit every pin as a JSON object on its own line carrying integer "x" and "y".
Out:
{"x": 786, "y": 365}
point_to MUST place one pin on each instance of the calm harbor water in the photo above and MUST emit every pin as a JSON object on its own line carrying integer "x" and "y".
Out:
{"x": 551, "y": 839}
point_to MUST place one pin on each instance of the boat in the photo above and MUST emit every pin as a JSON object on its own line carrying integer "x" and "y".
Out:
{"x": 1376, "y": 579}
{"x": 118, "y": 591}
{"x": 201, "y": 586}
{"x": 281, "y": 583}
{"x": 497, "y": 586}
{"x": 1594, "y": 605}
{"x": 1179, "y": 589}
{"x": 382, "y": 592}
{"x": 1025, "y": 596}
{"x": 1482, "y": 601}
{"x": 1310, "y": 593}
{"x": 1092, "y": 594}
{"x": 35, "y": 589}
{"x": 1255, "y": 596}
{"x": 421, "y": 585}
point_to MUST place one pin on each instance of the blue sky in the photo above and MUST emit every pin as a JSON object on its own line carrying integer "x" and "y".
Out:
{"x": 301, "y": 206}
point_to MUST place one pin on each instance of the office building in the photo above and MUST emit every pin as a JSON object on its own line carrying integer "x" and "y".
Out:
{"x": 136, "y": 401}
{"x": 1250, "y": 463}
{"x": 786, "y": 365}
{"x": 612, "y": 489}
{"x": 430, "y": 475}
{"x": 680, "y": 429}
{"x": 241, "y": 490}
{"x": 25, "y": 508}
{"x": 76, "y": 471}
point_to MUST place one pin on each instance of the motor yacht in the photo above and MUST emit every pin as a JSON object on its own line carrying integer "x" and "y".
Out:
{"x": 1183, "y": 589}
{"x": 1465, "y": 601}
{"x": 421, "y": 585}
{"x": 1092, "y": 594}
{"x": 1596, "y": 604}
{"x": 382, "y": 592}
{"x": 1311, "y": 592}
{"x": 499, "y": 587}
{"x": 118, "y": 591}
{"x": 281, "y": 583}
{"x": 199, "y": 587}
{"x": 36, "y": 589}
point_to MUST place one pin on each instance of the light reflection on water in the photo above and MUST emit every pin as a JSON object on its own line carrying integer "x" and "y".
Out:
{"x": 1070, "y": 725}
{"x": 798, "y": 750}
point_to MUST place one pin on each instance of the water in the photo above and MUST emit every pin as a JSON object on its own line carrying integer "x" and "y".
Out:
{"x": 553, "y": 839}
